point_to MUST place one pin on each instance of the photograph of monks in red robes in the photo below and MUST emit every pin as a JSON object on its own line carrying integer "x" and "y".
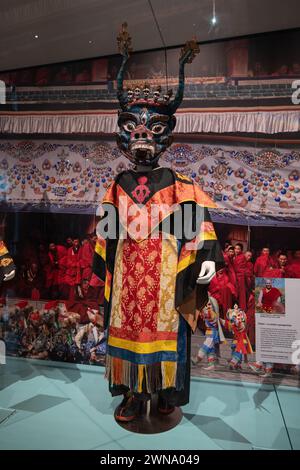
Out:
{"x": 270, "y": 295}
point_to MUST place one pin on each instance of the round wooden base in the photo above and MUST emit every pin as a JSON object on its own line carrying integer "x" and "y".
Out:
{"x": 151, "y": 421}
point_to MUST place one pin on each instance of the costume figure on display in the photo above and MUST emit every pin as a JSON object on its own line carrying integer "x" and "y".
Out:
{"x": 236, "y": 322}
{"x": 150, "y": 269}
{"x": 7, "y": 266}
{"x": 213, "y": 335}
{"x": 263, "y": 368}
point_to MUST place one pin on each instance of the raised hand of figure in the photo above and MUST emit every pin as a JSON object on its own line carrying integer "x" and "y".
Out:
{"x": 124, "y": 42}
{"x": 188, "y": 52}
{"x": 208, "y": 270}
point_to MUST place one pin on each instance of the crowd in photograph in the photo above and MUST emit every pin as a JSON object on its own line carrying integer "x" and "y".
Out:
{"x": 52, "y": 332}
{"x": 56, "y": 271}
{"x": 59, "y": 316}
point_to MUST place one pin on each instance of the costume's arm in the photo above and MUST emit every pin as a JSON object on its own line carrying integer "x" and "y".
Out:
{"x": 99, "y": 265}
{"x": 196, "y": 251}
{"x": 208, "y": 270}
{"x": 212, "y": 254}
{"x": 108, "y": 234}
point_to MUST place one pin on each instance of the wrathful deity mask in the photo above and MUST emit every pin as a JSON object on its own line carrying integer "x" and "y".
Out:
{"x": 145, "y": 132}
{"x": 146, "y": 121}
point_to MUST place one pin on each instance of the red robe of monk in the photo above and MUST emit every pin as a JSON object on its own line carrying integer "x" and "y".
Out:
{"x": 249, "y": 277}
{"x": 240, "y": 268}
{"x": 90, "y": 299}
{"x": 222, "y": 290}
{"x": 269, "y": 298}
{"x": 295, "y": 268}
{"x": 284, "y": 272}
{"x": 31, "y": 284}
{"x": 230, "y": 269}
{"x": 73, "y": 267}
{"x": 86, "y": 255}
{"x": 263, "y": 263}
{"x": 55, "y": 269}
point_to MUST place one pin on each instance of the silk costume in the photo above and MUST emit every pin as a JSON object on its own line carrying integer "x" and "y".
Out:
{"x": 148, "y": 282}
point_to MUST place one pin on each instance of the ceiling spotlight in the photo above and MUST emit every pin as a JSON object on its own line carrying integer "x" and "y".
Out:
{"x": 90, "y": 42}
{"x": 213, "y": 18}
{"x": 36, "y": 36}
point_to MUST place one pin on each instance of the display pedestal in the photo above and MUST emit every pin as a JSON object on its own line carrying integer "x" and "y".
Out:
{"x": 150, "y": 421}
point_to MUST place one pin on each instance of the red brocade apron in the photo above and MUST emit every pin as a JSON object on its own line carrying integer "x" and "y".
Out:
{"x": 144, "y": 323}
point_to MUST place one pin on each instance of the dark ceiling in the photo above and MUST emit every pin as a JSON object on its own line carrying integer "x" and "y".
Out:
{"x": 77, "y": 29}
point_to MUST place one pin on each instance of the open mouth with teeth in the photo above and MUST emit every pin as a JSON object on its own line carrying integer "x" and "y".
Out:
{"x": 143, "y": 151}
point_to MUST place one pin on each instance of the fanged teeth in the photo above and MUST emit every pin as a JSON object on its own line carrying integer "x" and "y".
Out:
{"x": 142, "y": 146}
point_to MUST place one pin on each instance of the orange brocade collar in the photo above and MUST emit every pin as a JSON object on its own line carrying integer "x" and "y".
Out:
{"x": 159, "y": 205}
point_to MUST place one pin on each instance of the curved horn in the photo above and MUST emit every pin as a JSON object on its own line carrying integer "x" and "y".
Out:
{"x": 124, "y": 45}
{"x": 121, "y": 95}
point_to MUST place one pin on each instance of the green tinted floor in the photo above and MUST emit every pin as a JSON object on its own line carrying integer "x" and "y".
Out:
{"x": 69, "y": 407}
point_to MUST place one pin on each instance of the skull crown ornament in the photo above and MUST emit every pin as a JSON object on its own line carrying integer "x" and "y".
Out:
{"x": 146, "y": 120}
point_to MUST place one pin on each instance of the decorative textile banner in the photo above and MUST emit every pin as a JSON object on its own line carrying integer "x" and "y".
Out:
{"x": 269, "y": 120}
{"x": 249, "y": 185}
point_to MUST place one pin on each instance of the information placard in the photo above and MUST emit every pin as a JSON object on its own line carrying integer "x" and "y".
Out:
{"x": 277, "y": 315}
